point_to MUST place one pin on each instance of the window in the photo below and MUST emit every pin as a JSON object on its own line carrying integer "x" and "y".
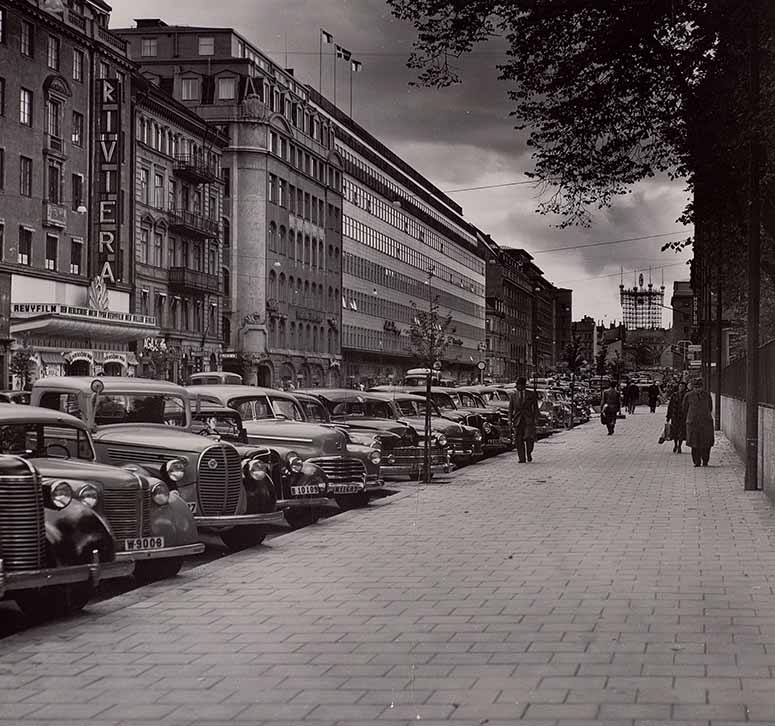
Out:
{"x": 227, "y": 89}
{"x": 53, "y": 114}
{"x": 76, "y": 255}
{"x": 52, "y": 57}
{"x": 189, "y": 89}
{"x": 25, "y": 245}
{"x": 25, "y": 176}
{"x": 54, "y": 182}
{"x": 25, "y": 107}
{"x": 2, "y": 168}
{"x": 226, "y": 177}
{"x": 157, "y": 249}
{"x": 2, "y": 96}
{"x": 77, "y": 135}
{"x": 26, "y": 40}
{"x": 171, "y": 194}
{"x": 103, "y": 70}
{"x": 2, "y": 25}
{"x": 158, "y": 191}
{"x": 206, "y": 46}
{"x": 77, "y": 65}
{"x": 149, "y": 47}
{"x": 142, "y": 189}
{"x": 142, "y": 247}
{"x": 77, "y": 193}
{"x": 52, "y": 243}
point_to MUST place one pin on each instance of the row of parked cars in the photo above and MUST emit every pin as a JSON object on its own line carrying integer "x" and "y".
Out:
{"x": 104, "y": 477}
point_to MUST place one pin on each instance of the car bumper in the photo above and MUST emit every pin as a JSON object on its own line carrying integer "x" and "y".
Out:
{"x": 311, "y": 503}
{"x": 270, "y": 519}
{"x": 406, "y": 469}
{"x": 94, "y": 572}
{"x": 160, "y": 554}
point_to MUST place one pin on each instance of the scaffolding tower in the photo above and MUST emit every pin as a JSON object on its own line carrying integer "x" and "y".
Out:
{"x": 642, "y": 305}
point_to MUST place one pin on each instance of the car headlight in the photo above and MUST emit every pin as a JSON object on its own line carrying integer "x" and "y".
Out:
{"x": 487, "y": 427}
{"x": 89, "y": 496}
{"x": 477, "y": 435}
{"x": 174, "y": 470}
{"x": 375, "y": 457}
{"x": 160, "y": 493}
{"x": 294, "y": 462}
{"x": 441, "y": 440}
{"x": 61, "y": 495}
{"x": 256, "y": 470}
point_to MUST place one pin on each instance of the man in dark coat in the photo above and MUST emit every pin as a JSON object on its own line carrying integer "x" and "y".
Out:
{"x": 698, "y": 406}
{"x": 653, "y": 396}
{"x": 523, "y": 412}
{"x": 631, "y": 396}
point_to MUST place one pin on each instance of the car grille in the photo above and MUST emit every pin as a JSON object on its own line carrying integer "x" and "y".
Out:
{"x": 22, "y": 526}
{"x": 128, "y": 512}
{"x": 123, "y": 455}
{"x": 415, "y": 456}
{"x": 474, "y": 419}
{"x": 220, "y": 483}
{"x": 339, "y": 470}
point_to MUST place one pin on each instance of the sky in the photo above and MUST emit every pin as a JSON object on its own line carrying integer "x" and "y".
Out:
{"x": 458, "y": 138}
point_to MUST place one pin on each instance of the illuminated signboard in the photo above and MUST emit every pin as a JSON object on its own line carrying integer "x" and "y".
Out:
{"x": 109, "y": 175}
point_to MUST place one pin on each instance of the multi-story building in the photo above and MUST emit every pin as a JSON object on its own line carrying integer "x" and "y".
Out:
{"x": 65, "y": 168}
{"x": 584, "y": 331}
{"x": 282, "y": 200}
{"x": 563, "y": 315}
{"x": 682, "y": 303}
{"x": 405, "y": 243}
{"x": 177, "y": 213}
{"x": 509, "y": 312}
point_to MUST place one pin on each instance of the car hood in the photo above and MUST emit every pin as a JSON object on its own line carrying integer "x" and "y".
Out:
{"x": 381, "y": 425}
{"x": 152, "y": 437}
{"x": 74, "y": 469}
{"x": 443, "y": 425}
{"x": 297, "y": 435}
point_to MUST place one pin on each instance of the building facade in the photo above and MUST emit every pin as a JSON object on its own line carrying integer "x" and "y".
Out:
{"x": 405, "y": 243}
{"x": 65, "y": 168}
{"x": 281, "y": 224}
{"x": 584, "y": 331}
{"x": 563, "y": 312}
{"x": 177, "y": 214}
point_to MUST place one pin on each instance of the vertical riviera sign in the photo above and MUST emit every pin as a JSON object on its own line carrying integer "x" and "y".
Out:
{"x": 109, "y": 176}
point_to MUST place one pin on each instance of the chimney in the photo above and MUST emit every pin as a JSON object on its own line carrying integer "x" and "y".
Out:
{"x": 150, "y": 23}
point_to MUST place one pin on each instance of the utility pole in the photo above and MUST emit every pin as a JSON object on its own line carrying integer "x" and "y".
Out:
{"x": 719, "y": 328}
{"x": 428, "y": 381}
{"x": 754, "y": 249}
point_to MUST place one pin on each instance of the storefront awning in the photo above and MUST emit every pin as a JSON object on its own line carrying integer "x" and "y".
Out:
{"x": 51, "y": 359}
{"x": 73, "y": 326}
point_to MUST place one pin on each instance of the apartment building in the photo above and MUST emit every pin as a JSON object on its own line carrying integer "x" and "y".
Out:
{"x": 405, "y": 243}
{"x": 281, "y": 216}
{"x": 66, "y": 278}
{"x": 179, "y": 278}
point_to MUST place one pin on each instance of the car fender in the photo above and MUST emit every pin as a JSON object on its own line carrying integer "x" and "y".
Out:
{"x": 175, "y": 522}
{"x": 73, "y": 532}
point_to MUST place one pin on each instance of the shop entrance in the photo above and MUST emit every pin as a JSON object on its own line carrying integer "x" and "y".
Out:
{"x": 113, "y": 369}
{"x": 79, "y": 368}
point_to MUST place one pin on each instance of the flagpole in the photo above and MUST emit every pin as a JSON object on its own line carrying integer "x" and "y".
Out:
{"x": 351, "y": 88}
{"x": 336, "y": 55}
{"x": 320, "y": 62}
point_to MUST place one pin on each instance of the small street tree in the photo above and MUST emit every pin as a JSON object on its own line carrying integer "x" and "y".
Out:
{"x": 574, "y": 360}
{"x": 20, "y": 366}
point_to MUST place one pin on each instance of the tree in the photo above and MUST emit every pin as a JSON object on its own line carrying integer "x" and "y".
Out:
{"x": 20, "y": 366}
{"x": 574, "y": 360}
{"x": 159, "y": 357}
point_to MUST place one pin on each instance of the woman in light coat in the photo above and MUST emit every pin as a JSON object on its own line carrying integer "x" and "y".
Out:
{"x": 698, "y": 407}
{"x": 676, "y": 417}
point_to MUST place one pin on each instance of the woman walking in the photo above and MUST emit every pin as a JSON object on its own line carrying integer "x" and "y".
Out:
{"x": 610, "y": 405}
{"x": 676, "y": 417}
{"x": 698, "y": 409}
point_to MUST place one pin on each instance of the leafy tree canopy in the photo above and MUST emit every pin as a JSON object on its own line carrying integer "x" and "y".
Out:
{"x": 607, "y": 91}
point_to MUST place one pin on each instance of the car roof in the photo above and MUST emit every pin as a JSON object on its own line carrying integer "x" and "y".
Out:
{"x": 393, "y": 395}
{"x": 337, "y": 394}
{"x": 38, "y": 415}
{"x": 123, "y": 384}
{"x": 225, "y": 391}
{"x": 211, "y": 408}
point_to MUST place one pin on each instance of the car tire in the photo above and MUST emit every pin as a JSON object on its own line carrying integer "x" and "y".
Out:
{"x": 41, "y": 605}
{"x": 155, "y": 570}
{"x": 353, "y": 501}
{"x": 242, "y": 538}
{"x": 298, "y": 518}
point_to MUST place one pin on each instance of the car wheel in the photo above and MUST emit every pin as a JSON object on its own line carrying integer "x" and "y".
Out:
{"x": 353, "y": 501}
{"x": 41, "y": 605}
{"x": 154, "y": 570}
{"x": 241, "y": 538}
{"x": 298, "y": 518}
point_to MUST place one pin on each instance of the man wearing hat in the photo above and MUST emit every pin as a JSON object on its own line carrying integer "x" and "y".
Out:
{"x": 698, "y": 406}
{"x": 523, "y": 412}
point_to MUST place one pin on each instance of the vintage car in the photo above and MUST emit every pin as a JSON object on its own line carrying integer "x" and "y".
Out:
{"x": 20, "y": 397}
{"x": 149, "y": 523}
{"x": 215, "y": 378}
{"x": 275, "y": 419}
{"x": 368, "y": 418}
{"x": 146, "y": 423}
{"x": 305, "y": 490}
{"x": 54, "y": 548}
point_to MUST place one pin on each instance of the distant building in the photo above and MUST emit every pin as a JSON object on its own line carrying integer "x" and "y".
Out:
{"x": 563, "y": 313}
{"x": 682, "y": 303}
{"x": 584, "y": 330}
{"x": 642, "y": 305}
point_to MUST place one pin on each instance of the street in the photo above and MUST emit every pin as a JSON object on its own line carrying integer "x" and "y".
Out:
{"x": 609, "y": 580}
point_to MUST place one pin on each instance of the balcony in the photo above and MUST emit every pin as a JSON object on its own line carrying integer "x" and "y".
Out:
{"x": 107, "y": 37}
{"x": 181, "y": 220}
{"x": 195, "y": 169}
{"x": 184, "y": 280}
{"x": 54, "y": 215}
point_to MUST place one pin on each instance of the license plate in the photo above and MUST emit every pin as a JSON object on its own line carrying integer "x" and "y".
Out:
{"x": 144, "y": 543}
{"x": 346, "y": 489}
{"x": 191, "y": 507}
{"x": 306, "y": 489}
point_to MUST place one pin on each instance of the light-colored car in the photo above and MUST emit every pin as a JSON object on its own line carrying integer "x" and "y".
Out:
{"x": 147, "y": 423}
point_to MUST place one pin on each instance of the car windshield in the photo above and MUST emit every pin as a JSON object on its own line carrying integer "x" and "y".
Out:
{"x": 362, "y": 408}
{"x": 45, "y": 440}
{"x": 412, "y": 407}
{"x": 314, "y": 411}
{"x": 444, "y": 401}
{"x": 466, "y": 399}
{"x": 143, "y": 408}
{"x": 221, "y": 423}
{"x": 287, "y": 408}
{"x": 254, "y": 408}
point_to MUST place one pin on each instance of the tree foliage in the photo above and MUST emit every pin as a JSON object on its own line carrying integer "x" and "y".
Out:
{"x": 20, "y": 366}
{"x": 572, "y": 356}
{"x": 428, "y": 335}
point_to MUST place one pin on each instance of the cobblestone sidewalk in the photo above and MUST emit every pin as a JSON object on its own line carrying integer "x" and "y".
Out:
{"x": 609, "y": 581}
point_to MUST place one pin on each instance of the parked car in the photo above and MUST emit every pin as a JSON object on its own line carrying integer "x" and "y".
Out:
{"x": 149, "y": 523}
{"x": 54, "y": 549}
{"x": 370, "y": 416}
{"x": 215, "y": 378}
{"x": 305, "y": 490}
{"x": 147, "y": 423}
{"x": 275, "y": 419}
{"x": 19, "y": 397}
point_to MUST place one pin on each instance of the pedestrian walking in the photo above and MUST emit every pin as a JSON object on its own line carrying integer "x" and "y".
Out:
{"x": 676, "y": 417}
{"x": 698, "y": 409}
{"x": 653, "y": 391}
{"x": 631, "y": 396}
{"x": 610, "y": 405}
{"x": 523, "y": 412}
